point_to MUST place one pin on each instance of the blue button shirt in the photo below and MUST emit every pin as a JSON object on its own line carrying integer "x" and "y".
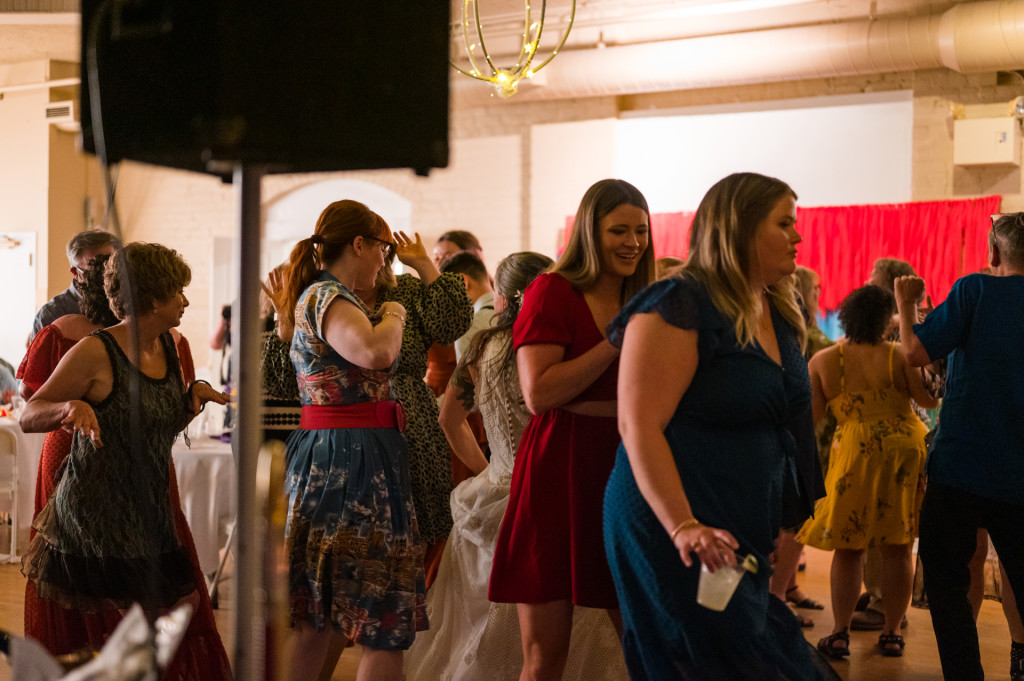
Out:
{"x": 979, "y": 446}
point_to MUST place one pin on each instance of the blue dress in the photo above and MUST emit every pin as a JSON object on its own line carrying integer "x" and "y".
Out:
{"x": 739, "y": 437}
{"x": 355, "y": 562}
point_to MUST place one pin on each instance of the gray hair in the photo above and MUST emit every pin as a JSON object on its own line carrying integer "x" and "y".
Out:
{"x": 88, "y": 241}
{"x": 1008, "y": 234}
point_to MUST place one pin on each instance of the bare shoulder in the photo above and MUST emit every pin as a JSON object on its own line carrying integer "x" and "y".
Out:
{"x": 88, "y": 348}
{"x": 74, "y": 326}
{"x": 824, "y": 357}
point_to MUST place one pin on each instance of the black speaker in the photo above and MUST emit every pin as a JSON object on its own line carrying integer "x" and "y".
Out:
{"x": 296, "y": 86}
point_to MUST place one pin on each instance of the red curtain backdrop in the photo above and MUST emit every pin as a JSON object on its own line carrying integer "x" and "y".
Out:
{"x": 942, "y": 240}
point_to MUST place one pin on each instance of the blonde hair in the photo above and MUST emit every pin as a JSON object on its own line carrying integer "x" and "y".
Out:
{"x": 336, "y": 228}
{"x": 804, "y": 281}
{"x": 580, "y": 262}
{"x": 722, "y": 252}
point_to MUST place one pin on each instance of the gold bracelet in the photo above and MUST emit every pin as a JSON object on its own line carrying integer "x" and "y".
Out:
{"x": 686, "y": 524}
{"x": 400, "y": 317}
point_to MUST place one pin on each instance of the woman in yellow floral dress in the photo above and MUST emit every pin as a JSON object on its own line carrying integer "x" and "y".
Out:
{"x": 876, "y": 465}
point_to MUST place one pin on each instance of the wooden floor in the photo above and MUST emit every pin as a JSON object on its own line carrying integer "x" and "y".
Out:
{"x": 919, "y": 663}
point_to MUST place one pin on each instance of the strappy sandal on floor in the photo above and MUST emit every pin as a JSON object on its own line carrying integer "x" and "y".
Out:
{"x": 828, "y": 645}
{"x": 891, "y": 645}
{"x": 806, "y": 602}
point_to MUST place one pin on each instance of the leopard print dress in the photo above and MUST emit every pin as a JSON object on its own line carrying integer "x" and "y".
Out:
{"x": 441, "y": 313}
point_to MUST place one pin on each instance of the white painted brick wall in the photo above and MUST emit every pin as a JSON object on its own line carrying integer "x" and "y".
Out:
{"x": 495, "y": 187}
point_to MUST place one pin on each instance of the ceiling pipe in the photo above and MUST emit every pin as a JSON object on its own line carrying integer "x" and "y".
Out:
{"x": 63, "y": 82}
{"x": 970, "y": 37}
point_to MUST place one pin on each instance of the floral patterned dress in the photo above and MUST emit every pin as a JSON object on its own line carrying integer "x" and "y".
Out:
{"x": 354, "y": 557}
{"x": 876, "y": 471}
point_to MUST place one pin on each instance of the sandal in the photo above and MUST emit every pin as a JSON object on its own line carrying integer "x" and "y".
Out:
{"x": 806, "y": 602}
{"x": 891, "y": 645}
{"x": 828, "y": 646}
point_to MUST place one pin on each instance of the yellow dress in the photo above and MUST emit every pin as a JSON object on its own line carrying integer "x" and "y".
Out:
{"x": 876, "y": 471}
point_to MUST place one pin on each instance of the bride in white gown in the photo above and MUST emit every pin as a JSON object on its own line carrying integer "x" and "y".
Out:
{"x": 470, "y": 638}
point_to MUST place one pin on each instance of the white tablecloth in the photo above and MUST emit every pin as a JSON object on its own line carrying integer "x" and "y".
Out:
{"x": 206, "y": 483}
{"x": 30, "y": 448}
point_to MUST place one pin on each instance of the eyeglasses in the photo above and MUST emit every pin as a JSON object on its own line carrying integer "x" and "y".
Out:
{"x": 386, "y": 247}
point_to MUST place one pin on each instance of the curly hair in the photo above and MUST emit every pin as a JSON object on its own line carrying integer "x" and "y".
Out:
{"x": 140, "y": 274}
{"x": 865, "y": 313}
{"x": 95, "y": 305}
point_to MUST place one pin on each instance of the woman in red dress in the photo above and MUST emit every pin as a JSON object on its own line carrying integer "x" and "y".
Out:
{"x": 550, "y": 552}
{"x": 63, "y": 630}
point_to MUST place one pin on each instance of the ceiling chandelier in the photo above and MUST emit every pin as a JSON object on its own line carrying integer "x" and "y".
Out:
{"x": 482, "y": 65}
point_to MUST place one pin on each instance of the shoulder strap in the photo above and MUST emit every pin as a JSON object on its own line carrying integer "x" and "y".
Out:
{"x": 842, "y": 369}
{"x": 115, "y": 355}
{"x": 171, "y": 357}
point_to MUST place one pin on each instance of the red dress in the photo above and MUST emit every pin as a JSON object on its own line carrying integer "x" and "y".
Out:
{"x": 201, "y": 656}
{"x": 550, "y": 546}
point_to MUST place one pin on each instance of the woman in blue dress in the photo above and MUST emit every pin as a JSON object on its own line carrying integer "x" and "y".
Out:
{"x": 355, "y": 563}
{"x": 722, "y": 455}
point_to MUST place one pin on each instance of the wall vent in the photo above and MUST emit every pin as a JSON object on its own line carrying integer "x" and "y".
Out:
{"x": 60, "y": 112}
{"x": 64, "y": 115}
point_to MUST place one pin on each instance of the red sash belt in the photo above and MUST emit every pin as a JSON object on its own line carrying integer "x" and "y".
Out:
{"x": 362, "y": 415}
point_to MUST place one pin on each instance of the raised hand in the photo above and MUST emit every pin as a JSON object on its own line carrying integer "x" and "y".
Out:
{"x": 909, "y": 290}
{"x": 275, "y": 290}
{"x": 80, "y": 418}
{"x": 410, "y": 252}
{"x": 414, "y": 254}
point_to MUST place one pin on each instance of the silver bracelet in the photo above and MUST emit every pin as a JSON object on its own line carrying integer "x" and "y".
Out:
{"x": 392, "y": 312}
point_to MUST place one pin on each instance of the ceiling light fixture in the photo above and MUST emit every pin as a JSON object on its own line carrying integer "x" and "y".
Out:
{"x": 481, "y": 65}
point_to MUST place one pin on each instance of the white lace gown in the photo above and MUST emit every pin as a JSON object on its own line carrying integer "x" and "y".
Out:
{"x": 470, "y": 638}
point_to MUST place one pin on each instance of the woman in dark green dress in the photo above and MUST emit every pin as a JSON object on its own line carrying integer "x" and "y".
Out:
{"x": 107, "y": 536}
{"x": 717, "y": 445}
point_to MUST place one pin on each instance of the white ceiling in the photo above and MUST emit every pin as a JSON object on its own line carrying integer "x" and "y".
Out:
{"x": 26, "y": 36}
{"x": 625, "y": 22}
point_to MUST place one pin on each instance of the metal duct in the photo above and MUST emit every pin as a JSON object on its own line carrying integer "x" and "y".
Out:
{"x": 970, "y": 37}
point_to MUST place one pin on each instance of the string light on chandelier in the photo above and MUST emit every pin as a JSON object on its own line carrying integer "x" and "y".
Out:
{"x": 481, "y": 64}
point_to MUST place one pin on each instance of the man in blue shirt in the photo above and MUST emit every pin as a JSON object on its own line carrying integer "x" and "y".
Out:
{"x": 976, "y": 464}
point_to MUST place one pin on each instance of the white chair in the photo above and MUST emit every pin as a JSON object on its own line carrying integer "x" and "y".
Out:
{"x": 9, "y": 488}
